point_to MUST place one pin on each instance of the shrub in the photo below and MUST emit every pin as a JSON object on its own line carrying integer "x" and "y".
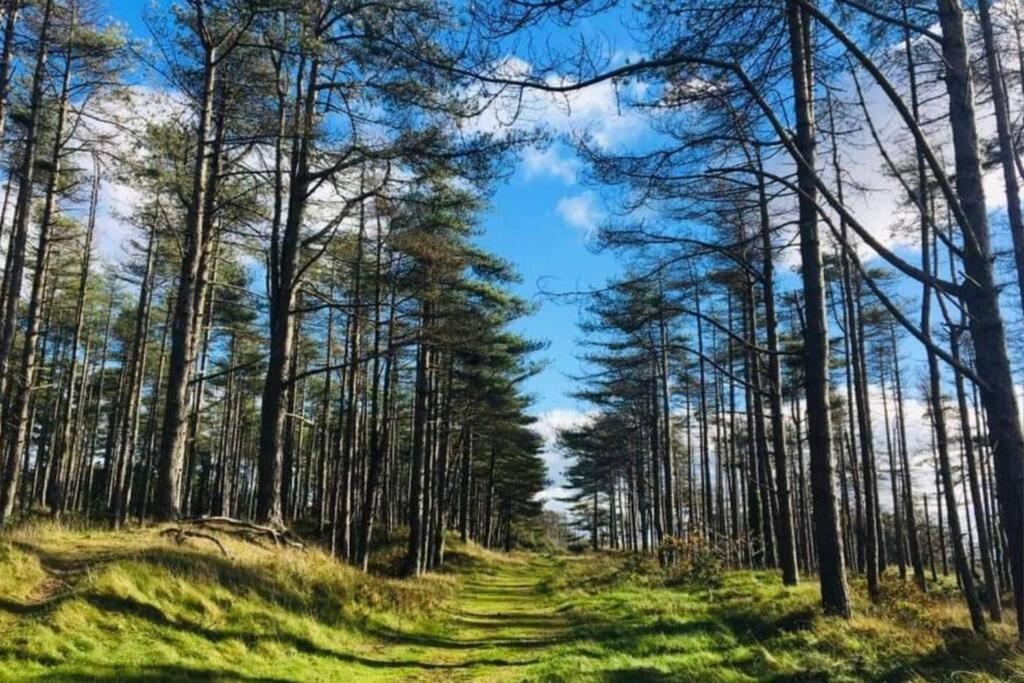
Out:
{"x": 690, "y": 562}
{"x": 578, "y": 547}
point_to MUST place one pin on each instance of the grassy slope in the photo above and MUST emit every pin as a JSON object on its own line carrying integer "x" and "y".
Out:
{"x": 629, "y": 627}
{"x": 133, "y": 606}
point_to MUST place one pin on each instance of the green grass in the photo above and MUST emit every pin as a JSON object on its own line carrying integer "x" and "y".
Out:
{"x": 628, "y": 626}
{"x": 79, "y": 604}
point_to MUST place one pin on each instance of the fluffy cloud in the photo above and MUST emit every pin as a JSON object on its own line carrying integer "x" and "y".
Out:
{"x": 595, "y": 111}
{"x": 548, "y": 161}
{"x": 548, "y": 424}
{"x": 551, "y": 498}
{"x": 580, "y": 211}
{"x": 119, "y": 125}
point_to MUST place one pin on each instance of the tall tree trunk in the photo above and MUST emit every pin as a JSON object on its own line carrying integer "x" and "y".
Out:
{"x": 786, "y": 546}
{"x": 828, "y": 541}
{"x": 913, "y": 537}
{"x": 150, "y": 444}
{"x": 894, "y": 482}
{"x": 868, "y": 526}
{"x": 831, "y": 564}
{"x": 65, "y": 451}
{"x": 348, "y": 448}
{"x": 705, "y": 438}
{"x": 170, "y": 461}
{"x": 981, "y": 294}
{"x": 668, "y": 462}
{"x": 420, "y": 445}
{"x": 17, "y": 417}
{"x": 135, "y": 370}
{"x": 14, "y": 266}
{"x": 285, "y": 254}
{"x": 946, "y": 473}
{"x": 380, "y": 416}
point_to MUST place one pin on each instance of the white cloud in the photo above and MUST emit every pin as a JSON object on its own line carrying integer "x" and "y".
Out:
{"x": 880, "y": 202}
{"x": 580, "y": 211}
{"x": 550, "y": 162}
{"x": 599, "y": 111}
{"x": 116, "y": 201}
{"x": 551, "y": 498}
{"x": 119, "y": 125}
{"x": 919, "y": 445}
{"x": 548, "y": 424}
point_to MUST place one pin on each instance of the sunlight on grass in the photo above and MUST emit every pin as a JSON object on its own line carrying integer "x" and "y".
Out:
{"x": 88, "y": 604}
{"x": 753, "y": 628}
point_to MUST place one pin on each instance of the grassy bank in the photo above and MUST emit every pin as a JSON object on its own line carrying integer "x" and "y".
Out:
{"x": 79, "y": 604}
{"x": 134, "y": 605}
{"x": 753, "y": 628}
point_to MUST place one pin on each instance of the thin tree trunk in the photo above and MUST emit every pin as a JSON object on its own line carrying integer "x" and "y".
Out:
{"x": 18, "y": 246}
{"x": 65, "y": 451}
{"x": 831, "y": 564}
{"x": 21, "y": 395}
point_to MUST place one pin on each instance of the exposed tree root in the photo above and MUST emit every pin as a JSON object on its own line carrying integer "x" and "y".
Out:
{"x": 247, "y": 530}
{"x": 181, "y": 534}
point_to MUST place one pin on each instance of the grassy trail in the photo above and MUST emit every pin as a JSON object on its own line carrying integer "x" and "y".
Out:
{"x": 501, "y": 624}
{"x": 132, "y": 606}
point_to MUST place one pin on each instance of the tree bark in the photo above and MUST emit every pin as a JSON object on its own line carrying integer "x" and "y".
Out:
{"x": 981, "y": 294}
{"x": 832, "y": 566}
{"x": 170, "y": 460}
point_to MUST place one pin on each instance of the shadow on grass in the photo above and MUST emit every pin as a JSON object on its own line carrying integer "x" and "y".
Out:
{"x": 245, "y": 579}
{"x": 128, "y": 607}
{"x": 739, "y": 630}
{"x": 446, "y": 643}
{"x": 518, "y": 620}
{"x": 960, "y": 648}
{"x": 167, "y": 672}
{"x": 633, "y": 638}
{"x": 509, "y": 613}
{"x": 760, "y": 626}
{"x": 637, "y": 674}
{"x": 25, "y": 609}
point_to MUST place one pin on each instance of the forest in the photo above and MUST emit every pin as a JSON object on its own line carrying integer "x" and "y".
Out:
{"x": 275, "y": 398}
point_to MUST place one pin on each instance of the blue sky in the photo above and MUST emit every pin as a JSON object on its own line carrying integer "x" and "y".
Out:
{"x": 539, "y": 219}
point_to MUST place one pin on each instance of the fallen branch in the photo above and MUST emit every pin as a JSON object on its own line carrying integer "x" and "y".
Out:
{"x": 181, "y": 534}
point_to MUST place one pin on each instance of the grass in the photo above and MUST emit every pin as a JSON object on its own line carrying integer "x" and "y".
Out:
{"x": 133, "y": 606}
{"x": 627, "y": 626}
